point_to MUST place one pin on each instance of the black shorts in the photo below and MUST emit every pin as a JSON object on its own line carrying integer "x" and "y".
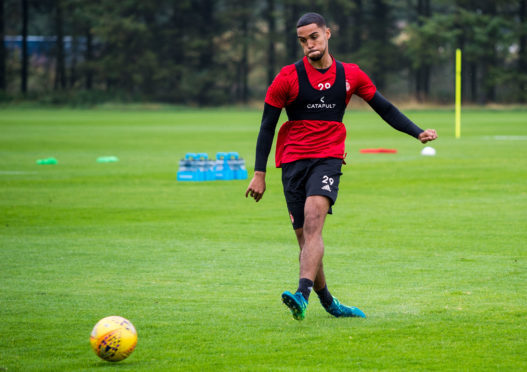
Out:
{"x": 307, "y": 177}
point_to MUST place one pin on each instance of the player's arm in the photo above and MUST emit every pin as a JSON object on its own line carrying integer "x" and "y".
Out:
{"x": 270, "y": 118}
{"x": 398, "y": 120}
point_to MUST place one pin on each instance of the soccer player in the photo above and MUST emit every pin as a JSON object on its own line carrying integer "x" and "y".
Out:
{"x": 310, "y": 149}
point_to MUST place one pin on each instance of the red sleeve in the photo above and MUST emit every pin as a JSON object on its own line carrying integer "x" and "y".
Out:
{"x": 359, "y": 83}
{"x": 284, "y": 88}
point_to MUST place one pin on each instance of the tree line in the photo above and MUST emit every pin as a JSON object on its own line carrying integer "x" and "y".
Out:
{"x": 211, "y": 52}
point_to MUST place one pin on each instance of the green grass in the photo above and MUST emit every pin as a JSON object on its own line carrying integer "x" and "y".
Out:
{"x": 433, "y": 249}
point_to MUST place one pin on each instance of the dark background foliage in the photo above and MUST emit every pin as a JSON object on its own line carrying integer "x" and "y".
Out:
{"x": 211, "y": 52}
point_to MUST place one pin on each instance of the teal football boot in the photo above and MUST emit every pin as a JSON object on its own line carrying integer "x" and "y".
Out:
{"x": 338, "y": 310}
{"x": 296, "y": 303}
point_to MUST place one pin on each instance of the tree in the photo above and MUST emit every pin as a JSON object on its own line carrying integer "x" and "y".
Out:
{"x": 174, "y": 61}
{"x": 271, "y": 53}
{"x": 244, "y": 61}
{"x": 522, "y": 52}
{"x": 484, "y": 36}
{"x": 83, "y": 15}
{"x": 60, "y": 64}
{"x": 489, "y": 61}
{"x": 238, "y": 16}
{"x": 207, "y": 27}
{"x": 380, "y": 53}
{"x": 342, "y": 15}
{"x": 127, "y": 60}
{"x": 291, "y": 8}
{"x": 422, "y": 73}
{"x": 3, "y": 55}
{"x": 358, "y": 25}
{"x": 25, "y": 59}
{"x": 201, "y": 51}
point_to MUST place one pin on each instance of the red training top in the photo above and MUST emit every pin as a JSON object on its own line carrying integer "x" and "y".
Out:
{"x": 303, "y": 139}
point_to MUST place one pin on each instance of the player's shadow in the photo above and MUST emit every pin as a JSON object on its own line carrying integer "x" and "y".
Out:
{"x": 127, "y": 364}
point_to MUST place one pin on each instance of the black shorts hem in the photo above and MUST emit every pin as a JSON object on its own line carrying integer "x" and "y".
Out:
{"x": 310, "y": 177}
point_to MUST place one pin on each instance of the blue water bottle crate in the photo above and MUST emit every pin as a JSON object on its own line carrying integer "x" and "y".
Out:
{"x": 198, "y": 167}
{"x": 221, "y": 169}
{"x": 237, "y": 166}
{"x": 201, "y": 166}
{"x": 188, "y": 168}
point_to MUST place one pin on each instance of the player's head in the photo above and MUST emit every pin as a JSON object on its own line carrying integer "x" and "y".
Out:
{"x": 310, "y": 18}
{"x": 313, "y": 35}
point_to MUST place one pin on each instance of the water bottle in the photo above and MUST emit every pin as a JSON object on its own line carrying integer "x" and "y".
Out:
{"x": 220, "y": 171}
{"x": 241, "y": 170}
{"x": 201, "y": 166}
{"x": 210, "y": 176}
{"x": 187, "y": 168}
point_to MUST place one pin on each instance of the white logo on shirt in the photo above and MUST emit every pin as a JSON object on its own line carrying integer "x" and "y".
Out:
{"x": 321, "y": 105}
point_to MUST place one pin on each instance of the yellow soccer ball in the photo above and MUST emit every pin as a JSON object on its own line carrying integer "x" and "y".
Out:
{"x": 113, "y": 338}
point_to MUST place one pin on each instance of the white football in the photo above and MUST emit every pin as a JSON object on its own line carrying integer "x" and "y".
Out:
{"x": 428, "y": 151}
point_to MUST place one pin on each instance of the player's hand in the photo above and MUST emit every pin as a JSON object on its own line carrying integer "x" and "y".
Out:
{"x": 256, "y": 188}
{"x": 427, "y": 135}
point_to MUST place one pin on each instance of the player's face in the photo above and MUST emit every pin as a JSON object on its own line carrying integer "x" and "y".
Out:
{"x": 314, "y": 40}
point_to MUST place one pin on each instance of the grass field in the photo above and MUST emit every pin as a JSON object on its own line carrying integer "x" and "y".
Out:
{"x": 433, "y": 249}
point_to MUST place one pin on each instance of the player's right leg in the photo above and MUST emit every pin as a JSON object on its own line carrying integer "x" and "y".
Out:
{"x": 315, "y": 212}
{"x": 328, "y": 302}
{"x": 320, "y": 280}
{"x": 296, "y": 303}
{"x": 293, "y": 180}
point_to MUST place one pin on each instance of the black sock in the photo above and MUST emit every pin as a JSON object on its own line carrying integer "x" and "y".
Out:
{"x": 324, "y": 296}
{"x": 305, "y": 286}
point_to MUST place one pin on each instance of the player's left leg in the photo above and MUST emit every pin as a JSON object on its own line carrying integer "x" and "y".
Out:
{"x": 338, "y": 310}
{"x": 322, "y": 191}
{"x": 308, "y": 217}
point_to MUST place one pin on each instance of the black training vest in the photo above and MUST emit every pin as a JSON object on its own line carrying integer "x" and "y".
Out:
{"x": 315, "y": 104}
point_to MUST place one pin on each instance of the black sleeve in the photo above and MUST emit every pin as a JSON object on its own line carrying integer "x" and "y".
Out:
{"x": 393, "y": 116}
{"x": 264, "y": 143}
